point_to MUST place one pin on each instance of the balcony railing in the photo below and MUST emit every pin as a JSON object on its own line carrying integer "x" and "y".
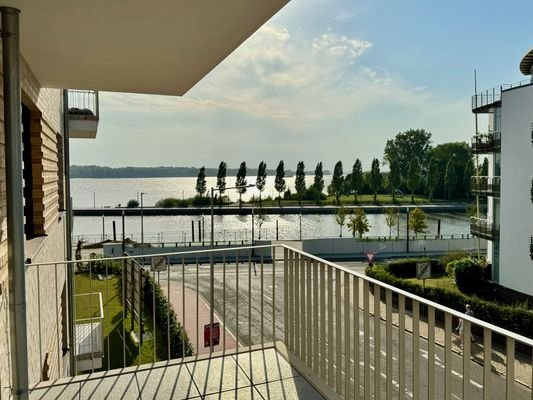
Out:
{"x": 484, "y": 229}
{"x": 531, "y": 247}
{"x": 487, "y": 143}
{"x": 345, "y": 332}
{"x": 83, "y": 113}
{"x": 485, "y": 185}
{"x": 483, "y": 101}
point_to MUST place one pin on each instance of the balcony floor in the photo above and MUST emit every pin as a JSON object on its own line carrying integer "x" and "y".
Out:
{"x": 259, "y": 374}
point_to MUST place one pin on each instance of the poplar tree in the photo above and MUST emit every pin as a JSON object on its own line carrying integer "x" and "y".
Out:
{"x": 337, "y": 181}
{"x": 260, "y": 182}
{"x": 318, "y": 183}
{"x": 395, "y": 178}
{"x": 279, "y": 182}
{"x": 241, "y": 181}
{"x": 299, "y": 182}
{"x": 375, "y": 179}
{"x": 221, "y": 178}
{"x": 201, "y": 184}
{"x": 356, "y": 178}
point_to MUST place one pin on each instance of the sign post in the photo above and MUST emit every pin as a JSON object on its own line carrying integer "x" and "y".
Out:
{"x": 215, "y": 336}
{"x": 423, "y": 271}
{"x": 370, "y": 256}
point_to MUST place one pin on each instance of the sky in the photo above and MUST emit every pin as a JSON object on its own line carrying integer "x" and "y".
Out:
{"x": 324, "y": 80}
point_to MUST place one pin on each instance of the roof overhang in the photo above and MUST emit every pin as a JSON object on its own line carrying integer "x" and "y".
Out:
{"x": 159, "y": 47}
{"x": 526, "y": 65}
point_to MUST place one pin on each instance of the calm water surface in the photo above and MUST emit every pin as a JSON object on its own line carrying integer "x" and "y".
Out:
{"x": 111, "y": 192}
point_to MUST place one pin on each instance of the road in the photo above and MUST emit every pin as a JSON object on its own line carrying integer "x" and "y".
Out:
{"x": 260, "y": 301}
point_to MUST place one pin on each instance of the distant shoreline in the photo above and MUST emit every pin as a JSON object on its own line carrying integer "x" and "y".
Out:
{"x": 100, "y": 172}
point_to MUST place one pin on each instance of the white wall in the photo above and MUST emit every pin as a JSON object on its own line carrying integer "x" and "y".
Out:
{"x": 516, "y": 209}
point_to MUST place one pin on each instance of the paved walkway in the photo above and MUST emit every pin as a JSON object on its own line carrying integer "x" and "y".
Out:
{"x": 196, "y": 317}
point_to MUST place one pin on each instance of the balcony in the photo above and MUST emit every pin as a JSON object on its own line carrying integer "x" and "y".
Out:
{"x": 291, "y": 326}
{"x": 83, "y": 113}
{"x": 485, "y": 185}
{"x": 486, "y": 100}
{"x": 487, "y": 143}
{"x": 484, "y": 229}
{"x": 531, "y": 247}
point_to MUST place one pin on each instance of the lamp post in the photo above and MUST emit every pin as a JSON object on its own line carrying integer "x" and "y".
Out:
{"x": 142, "y": 224}
{"x": 212, "y": 264}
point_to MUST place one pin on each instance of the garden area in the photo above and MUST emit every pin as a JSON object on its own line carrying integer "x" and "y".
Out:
{"x": 114, "y": 324}
{"x": 456, "y": 280}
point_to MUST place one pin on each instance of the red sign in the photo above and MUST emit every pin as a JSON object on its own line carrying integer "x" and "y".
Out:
{"x": 216, "y": 334}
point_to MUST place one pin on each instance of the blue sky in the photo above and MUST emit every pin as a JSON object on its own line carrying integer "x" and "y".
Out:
{"x": 324, "y": 80}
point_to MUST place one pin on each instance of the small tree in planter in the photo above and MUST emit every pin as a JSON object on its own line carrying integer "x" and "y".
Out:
{"x": 340, "y": 218}
{"x": 359, "y": 223}
{"x": 391, "y": 218}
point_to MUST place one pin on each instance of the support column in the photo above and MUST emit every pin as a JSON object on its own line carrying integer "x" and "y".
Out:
{"x": 15, "y": 201}
{"x": 68, "y": 236}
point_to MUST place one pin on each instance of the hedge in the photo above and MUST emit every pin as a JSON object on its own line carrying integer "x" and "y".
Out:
{"x": 515, "y": 319}
{"x": 178, "y": 336}
{"x": 406, "y": 268}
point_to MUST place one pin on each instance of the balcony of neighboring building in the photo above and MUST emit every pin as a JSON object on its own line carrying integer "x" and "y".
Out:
{"x": 83, "y": 113}
{"x": 486, "y": 143}
{"x": 486, "y": 100}
{"x": 289, "y": 325}
{"x": 484, "y": 228}
{"x": 485, "y": 185}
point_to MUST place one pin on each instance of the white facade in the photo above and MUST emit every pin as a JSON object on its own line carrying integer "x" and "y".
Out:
{"x": 516, "y": 207}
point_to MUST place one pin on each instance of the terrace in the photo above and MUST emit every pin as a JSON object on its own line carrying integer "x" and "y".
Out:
{"x": 291, "y": 326}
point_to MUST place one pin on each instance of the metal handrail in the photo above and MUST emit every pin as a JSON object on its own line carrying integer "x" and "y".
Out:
{"x": 494, "y": 95}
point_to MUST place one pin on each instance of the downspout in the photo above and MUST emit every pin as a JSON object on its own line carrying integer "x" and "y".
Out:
{"x": 15, "y": 201}
{"x": 68, "y": 235}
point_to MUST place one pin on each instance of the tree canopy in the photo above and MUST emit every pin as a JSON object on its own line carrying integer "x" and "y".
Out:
{"x": 241, "y": 181}
{"x": 413, "y": 177}
{"x": 407, "y": 145}
{"x": 260, "y": 181}
{"x": 299, "y": 182}
{"x": 376, "y": 179}
{"x": 201, "y": 183}
{"x": 279, "y": 182}
{"x": 461, "y": 153}
{"x": 221, "y": 177}
{"x": 337, "y": 181}
{"x": 356, "y": 178}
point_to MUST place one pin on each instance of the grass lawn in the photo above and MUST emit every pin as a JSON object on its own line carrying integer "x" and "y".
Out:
{"x": 362, "y": 199}
{"x": 111, "y": 297}
{"x": 438, "y": 281}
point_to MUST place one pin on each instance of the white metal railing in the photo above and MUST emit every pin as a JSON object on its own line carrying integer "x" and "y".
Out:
{"x": 362, "y": 337}
{"x": 83, "y": 104}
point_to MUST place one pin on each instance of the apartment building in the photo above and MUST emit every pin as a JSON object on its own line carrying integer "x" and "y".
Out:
{"x": 508, "y": 188}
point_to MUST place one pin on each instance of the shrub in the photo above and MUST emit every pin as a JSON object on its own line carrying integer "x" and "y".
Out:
{"x": 178, "y": 337}
{"x": 515, "y": 319}
{"x": 132, "y": 203}
{"x": 406, "y": 268}
{"x": 453, "y": 256}
{"x": 468, "y": 274}
{"x": 99, "y": 265}
{"x": 199, "y": 201}
{"x": 170, "y": 202}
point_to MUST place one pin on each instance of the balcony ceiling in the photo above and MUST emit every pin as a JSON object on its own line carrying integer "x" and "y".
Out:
{"x": 527, "y": 63}
{"x": 162, "y": 47}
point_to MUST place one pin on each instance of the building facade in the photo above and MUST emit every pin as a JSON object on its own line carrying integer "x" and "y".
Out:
{"x": 508, "y": 186}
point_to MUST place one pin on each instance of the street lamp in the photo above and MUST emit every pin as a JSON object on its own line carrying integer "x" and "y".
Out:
{"x": 142, "y": 224}
{"x": 212, "y": 263}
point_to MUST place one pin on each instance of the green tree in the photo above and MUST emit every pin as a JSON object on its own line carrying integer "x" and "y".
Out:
{"x": 450, "y": 179}
{"x": 299, "y": 182}
{"x": 417, "y": 221}
{"x": 484, "y": 169}
{"x": 241, "y": 181}
{"x": 432, "y": 178}
{"x": 132, "y": 203}
{"x": 391, "y": 218}
{"x": 201, "y": 184}
{"x": 358, "y": 223}
{"x": 376, "y": 179}
{"x": 337, "y": 182}
{"x": 467, "y": 175}
{"x": 279, "y": 182}
{"x": 340, "y": 218}
{"x": 318, "y": 183}
{"x": 356, "y": 178}
{"x": 395, "y": 179}
{"x": 413, "y": 177}
{"x": 260, "y": 182}
{"x": 221, "y": 177}
{"x": 441, "y": 154}
{"x": 260, "y": 219}
{"x": 413, "y": 143}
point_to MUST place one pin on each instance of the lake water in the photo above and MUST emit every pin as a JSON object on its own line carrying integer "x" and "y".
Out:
{"x": 111, "y": 192}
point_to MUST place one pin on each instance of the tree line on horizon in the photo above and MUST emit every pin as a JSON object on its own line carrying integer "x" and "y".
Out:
{"x": 415, "y": 167}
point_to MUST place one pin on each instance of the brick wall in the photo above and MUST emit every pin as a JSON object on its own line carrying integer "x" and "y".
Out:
{"x": 43, "y": 287}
